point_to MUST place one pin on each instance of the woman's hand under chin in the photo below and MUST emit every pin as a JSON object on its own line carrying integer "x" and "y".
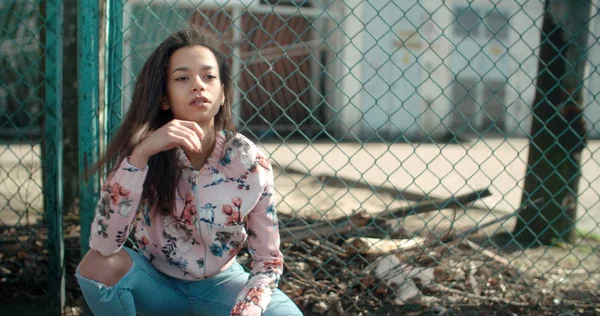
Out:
{"x": 173, "y": 134}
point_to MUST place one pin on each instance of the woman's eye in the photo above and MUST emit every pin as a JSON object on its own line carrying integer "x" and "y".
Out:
{"x": 180, "y": 78}
{"x": 211, "y": 77}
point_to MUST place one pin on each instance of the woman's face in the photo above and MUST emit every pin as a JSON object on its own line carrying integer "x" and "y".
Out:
{"x": 194, "y": 88}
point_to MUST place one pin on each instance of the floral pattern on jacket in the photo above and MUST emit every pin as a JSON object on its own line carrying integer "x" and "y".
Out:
{"x": 228, "y": 202}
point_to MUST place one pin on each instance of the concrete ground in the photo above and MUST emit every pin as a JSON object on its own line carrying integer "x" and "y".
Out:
{"x": 21, "y": 197}
{"x": 311, "y": 185}
{"x": 437, "y": 170}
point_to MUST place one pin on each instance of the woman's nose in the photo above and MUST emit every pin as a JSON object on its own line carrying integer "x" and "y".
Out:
{"x": 198, "y": 84}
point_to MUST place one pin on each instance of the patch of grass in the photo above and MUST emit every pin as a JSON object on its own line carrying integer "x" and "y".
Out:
{"x": 588, "y": 235}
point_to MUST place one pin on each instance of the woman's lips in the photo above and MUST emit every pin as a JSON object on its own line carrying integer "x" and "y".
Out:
{"x": 199, "y": 101}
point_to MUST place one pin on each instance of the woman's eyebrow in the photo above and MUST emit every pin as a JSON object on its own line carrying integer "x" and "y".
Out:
{"x": 203, "y": 68}
{"x": 208, "y": 67}
{"x": 181, "y": 69}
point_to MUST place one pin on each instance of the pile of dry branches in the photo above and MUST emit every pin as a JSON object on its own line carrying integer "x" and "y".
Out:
{"x": 360, "y": 265}
{"x": 355, "y": 265}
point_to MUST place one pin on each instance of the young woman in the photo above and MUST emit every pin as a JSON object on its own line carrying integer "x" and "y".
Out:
{"x": 193, "y": 190}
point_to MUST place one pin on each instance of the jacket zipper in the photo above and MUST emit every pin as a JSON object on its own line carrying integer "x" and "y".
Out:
{"x": 200, "y": 222}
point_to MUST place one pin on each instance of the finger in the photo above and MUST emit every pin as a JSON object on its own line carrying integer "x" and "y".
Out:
{"x": 194, "y": 127}
{"x": 190, "y": 137}
{"x": 185, "y": 142}
{"x": 193, "y": 138}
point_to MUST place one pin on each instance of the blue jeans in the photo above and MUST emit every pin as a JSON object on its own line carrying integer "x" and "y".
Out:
{"x": 146, "y": 291}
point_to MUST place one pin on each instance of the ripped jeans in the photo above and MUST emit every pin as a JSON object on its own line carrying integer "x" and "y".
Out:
{"x": 146, "y": 291}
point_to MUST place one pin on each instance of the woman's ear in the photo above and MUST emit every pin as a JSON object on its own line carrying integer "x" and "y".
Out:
{"x": 164, "y": 105}
{"x": 222, "y": 94}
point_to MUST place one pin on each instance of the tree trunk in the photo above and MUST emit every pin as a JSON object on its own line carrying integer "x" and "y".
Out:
{"x": 558, "y": 129}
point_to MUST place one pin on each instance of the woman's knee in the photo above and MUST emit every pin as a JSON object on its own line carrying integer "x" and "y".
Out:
{"x": 106, "y": 270}
{"x": 281, "y": 304}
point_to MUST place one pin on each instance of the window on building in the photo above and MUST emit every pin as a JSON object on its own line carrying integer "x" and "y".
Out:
{"x": 494, "y": 108}
{"x": 474, "y": 23}
{"x": 467, "y": 22}
{"x": 496, "y": 25}
{"x": 293, "y": 3}
{"x": 464, "y": 115}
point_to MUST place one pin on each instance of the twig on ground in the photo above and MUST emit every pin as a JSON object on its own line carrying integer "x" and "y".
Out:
{"x": 359, "y": 220}
{"x": 445, "y": 290}
{"x": 493, "y": 256}
{"x": 376, "y": 247}
{"x": 464, "y": 234}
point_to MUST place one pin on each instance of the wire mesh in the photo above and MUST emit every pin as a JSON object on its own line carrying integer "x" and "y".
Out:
{"x": 23, "y": 98}
{"x": 398, "y": 129}
{"x": 375, "y": 106}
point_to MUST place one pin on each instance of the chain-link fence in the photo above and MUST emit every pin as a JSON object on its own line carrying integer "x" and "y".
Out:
{"x": 423, "y": 149}
{"x": 30, "y": 137}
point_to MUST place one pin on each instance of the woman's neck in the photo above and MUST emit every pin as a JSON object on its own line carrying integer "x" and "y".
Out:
{"x": 208, "y": 145}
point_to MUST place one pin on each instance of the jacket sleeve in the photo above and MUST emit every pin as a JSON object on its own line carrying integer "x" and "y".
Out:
{"x": 263, "y": 245}
{"x": 116, "y": 209}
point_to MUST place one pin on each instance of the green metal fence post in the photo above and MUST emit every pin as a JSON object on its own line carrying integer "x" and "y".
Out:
{"x": 114, "y": 69}
{"x": 89, "y": 145}
{"x": 53, "y": 199}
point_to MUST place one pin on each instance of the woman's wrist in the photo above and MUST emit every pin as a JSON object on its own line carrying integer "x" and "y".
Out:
{"x": 139, "y": 158}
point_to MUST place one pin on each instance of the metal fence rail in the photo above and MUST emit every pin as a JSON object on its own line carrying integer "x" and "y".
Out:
{"x": 422, "y": 148}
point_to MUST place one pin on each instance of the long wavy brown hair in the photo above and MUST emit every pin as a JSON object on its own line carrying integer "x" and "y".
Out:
{"x": 145, "y": 116}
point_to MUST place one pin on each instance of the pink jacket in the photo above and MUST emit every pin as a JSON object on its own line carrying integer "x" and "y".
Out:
{"x": 218, "y": 208}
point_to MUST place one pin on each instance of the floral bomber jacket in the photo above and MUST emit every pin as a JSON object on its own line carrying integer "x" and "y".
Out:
{"x": 218, "y": 208}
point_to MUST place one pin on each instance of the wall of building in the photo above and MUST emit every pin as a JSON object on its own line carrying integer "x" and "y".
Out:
{"x": 418, "y": 64}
